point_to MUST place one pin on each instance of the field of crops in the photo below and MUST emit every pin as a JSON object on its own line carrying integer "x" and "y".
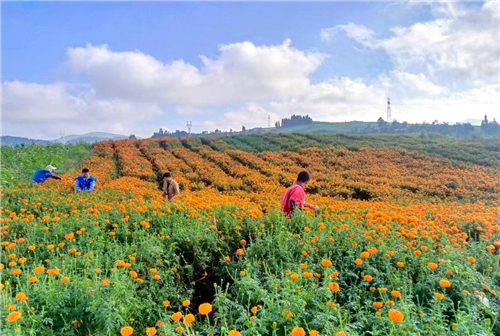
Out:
{"x": 406, "y": 242}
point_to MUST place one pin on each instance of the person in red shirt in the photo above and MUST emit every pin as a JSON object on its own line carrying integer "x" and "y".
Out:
{"x": 295, "y": 196}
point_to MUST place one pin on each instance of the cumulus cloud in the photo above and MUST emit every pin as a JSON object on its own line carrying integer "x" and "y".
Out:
{"x": 445, "y": 68}
{"x": 241, "y": 72}
{"x": 44, "y": 110}
{"x": 461, "y": 46}
{"x": 404, "y": 84}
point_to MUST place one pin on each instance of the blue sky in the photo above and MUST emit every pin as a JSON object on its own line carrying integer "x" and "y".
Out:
{"x": 36, "y": 38}
{"x": 171, "y": 31}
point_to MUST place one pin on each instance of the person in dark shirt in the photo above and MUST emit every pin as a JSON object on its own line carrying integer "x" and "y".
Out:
{"x": 41, "y": 175}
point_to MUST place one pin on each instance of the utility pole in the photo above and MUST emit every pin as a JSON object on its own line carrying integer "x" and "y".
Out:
{"x": 389, "y": 117}
{"x": 63, "y": 136}
{"x": 189, "y": 125}
{"x": 268, "y": 120}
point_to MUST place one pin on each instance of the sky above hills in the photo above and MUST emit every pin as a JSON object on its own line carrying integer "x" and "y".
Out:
{"x": 132, "y": 67}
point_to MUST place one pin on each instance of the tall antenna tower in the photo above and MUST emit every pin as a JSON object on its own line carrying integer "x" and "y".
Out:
{"x": 389, "y": 117}
{"x": 268, "y": 120}
{"x": 189, "y": 125}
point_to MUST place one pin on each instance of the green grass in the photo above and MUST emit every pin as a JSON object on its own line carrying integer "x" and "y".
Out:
{"x": 20, "y": 163}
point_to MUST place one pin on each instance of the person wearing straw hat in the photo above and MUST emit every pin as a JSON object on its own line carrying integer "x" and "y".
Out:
{"x": 41, "y": 175}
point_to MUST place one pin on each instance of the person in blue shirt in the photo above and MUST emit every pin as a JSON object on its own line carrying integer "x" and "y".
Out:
{"x": 85, "y": 182}
{"x": 41, "y": 175}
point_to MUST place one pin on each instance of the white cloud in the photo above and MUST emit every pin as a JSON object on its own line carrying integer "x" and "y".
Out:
{"x": 250, "y": 115}
{"x": 444, "y": 69}
{"x": 242, "y": 72}
{"x": 42, "y": 111}
{"x": 459, "y": 48}
{"x": 404, "y": 84}
{"x": 352, "y": 30}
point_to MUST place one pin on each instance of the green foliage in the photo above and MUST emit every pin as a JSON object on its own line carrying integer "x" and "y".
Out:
{"x": 20, "y": 163}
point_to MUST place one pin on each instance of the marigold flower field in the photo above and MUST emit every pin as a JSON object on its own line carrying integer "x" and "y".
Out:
{"x": 407, "y": 241}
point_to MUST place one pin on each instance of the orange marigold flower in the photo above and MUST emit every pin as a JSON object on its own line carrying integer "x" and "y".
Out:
{"x": 189, "y": 318}
{"x": 179, "y": 329}
{"x": 377, "y": 305}
{"x": 127, "y": 331}
{"x": 444, "y": 283}
{"x": 294, "y": 276}
{"x": 471, "y": 259}
{"x": 151, "y": 331}
{"x": 21, "y": 297}
{"x": 439, "y": 296}
{"x": 313, "y": 333}
{"x": 396, "y": 293}
{"x": 14, "y": 316}
{"x": 33, "y": 279}
{"x": 432, "y": 265}
{"x": 240, "y": 252}
{"x": 326, "y": 263}
{"x": 234, "y": 333}
{"x": 11, "y": 307}
{"x": 39, "y": 269}
{"x": 368, "y": 278}
{"x": 334, "y": 287}
{"x": 400, "y": 264}
{"x": 166, "y": 303}
{"x": 358, "y": 262}
{"x": 65, "y": 279}
{"x": 186, "y": 303}
{"x": 396, "y": 316}
{"x": 340, "y": 333}
{"x": 176, "y": 316}
{"x": 133, "y": 274}
{"x": 205, "y": 308}
{"x": 365, "y": 254}
{"x": 298, "y": 331}
{"x": 17, "y": 271}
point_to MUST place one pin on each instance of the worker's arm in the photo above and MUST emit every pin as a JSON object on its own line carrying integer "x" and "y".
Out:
{"x": 92, "y": 185}
{"x": 165, "y": 189}
{"x": 78, "y": 188}
{"x": 55, "y": 177}
{"x": 176, "y": 189}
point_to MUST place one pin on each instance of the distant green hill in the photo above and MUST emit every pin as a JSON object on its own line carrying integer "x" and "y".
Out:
{"x": 322, "y": 127}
